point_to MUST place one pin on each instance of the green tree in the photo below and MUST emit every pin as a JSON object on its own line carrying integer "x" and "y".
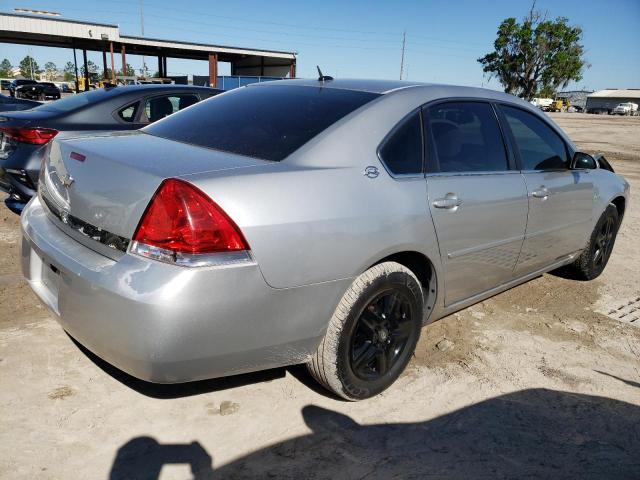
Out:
{"x": 51, "y": 71}
{"x": 130, "y": 71}
{"x": 5, "y": 68}
{"x": 537, "y": 54}
{"x": 546, "y": 92}
{"x": 69, "y": 72}
{"x": 29, "y": 67}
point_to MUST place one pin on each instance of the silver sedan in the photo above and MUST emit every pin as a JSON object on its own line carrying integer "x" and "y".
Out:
{"x": 318, "y": 222}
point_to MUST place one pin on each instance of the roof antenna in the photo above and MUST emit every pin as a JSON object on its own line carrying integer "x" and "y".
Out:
{"x": 321, "y": 77}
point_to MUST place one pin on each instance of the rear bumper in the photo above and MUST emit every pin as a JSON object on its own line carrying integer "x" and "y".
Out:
{"x": 169, "y": 324}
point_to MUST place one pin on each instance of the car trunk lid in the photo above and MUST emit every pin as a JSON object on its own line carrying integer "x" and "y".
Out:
{"x": 100, "y": 186}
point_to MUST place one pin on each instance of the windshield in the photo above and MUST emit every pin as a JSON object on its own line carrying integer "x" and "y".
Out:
{"x": 267, "y": 122}
{"x": 75, "y": 102}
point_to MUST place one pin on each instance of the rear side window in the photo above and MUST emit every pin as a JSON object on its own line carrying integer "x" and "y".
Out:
{"x": 128, "y": 114}
{"x": 402, "y": 151}
{"x": 466, "y": 138}
{"x": 268, "y": 122}
{"x": 539, "y": 146}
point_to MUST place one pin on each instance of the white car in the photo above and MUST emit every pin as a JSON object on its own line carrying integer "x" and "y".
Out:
{"x": 627, "y": 108}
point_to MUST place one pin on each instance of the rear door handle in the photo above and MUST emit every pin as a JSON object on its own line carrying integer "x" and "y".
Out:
{"x": 450, "y": 202}
{"x": 542, "y": 193}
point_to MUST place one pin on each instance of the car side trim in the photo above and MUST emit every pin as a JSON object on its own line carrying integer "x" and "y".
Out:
{"x": 485, "y": 246}
{"x": 459, "y": 305}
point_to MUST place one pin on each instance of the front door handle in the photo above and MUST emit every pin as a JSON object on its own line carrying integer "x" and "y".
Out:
{"x": 542, "y": 193}
{"x": 450, "y": 202}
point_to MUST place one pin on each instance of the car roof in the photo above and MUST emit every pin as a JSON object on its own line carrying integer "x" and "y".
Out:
{"x": 372, "y": 86}
{"x": 388, "y": 87}
{"x": 153, "y": 87}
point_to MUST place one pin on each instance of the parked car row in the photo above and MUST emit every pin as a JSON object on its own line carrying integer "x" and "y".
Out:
{"x": 300, "y": 221}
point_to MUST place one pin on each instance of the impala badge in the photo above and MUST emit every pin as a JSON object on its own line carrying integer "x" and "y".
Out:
{"x": 371, "y": 172}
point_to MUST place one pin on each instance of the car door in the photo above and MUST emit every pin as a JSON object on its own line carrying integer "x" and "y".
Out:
{"x": 560, "y": 199}
{"x": 477, "y": 199}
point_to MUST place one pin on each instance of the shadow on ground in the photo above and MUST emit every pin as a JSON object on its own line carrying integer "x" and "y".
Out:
{"x": 528, "y": 434}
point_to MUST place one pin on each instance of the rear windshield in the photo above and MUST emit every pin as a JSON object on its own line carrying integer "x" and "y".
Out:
{"x": 73, "y": 102}
{"x": 267, "y": 122}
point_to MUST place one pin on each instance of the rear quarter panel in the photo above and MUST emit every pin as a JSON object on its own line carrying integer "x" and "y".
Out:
{"x": 315, "y": 217}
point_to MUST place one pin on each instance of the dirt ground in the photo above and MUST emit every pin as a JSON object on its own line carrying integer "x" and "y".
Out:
{"x": 542, "y": 381}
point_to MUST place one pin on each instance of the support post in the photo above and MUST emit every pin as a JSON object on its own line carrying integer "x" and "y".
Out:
{"x": 86, "y": 70}
{"x": 164, "y": 67}
{"x": 124, "y": 62}
{"x": 113, "y": 71}
{"x": 213, "y": 69}
{"x": 75, "y": 64}
{"x": 104, "y": 65}
{"x": 160, "y": 65}
{"x": 292, "y": 69}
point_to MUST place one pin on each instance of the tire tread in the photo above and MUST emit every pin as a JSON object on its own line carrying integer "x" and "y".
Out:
{"x": 323, "y": 365}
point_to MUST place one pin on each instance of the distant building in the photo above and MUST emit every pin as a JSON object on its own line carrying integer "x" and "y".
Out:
{"x": 576, "y": 98}
{"x": 604, "y": 101}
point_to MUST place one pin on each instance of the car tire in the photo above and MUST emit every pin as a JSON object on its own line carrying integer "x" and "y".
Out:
{"x": 594, "y": 257}
{"x": 372, "y": 333}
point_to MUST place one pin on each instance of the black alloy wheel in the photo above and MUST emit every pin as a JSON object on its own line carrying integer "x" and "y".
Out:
{"x": 380, "y": 335}
{"x": 604, "y": 242}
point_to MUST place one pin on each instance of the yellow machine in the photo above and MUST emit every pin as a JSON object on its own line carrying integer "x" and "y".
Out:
{"x": 81, "y": 84}
{"x": 559, "y": 105}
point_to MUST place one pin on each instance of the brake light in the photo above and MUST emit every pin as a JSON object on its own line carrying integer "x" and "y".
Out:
{"x": 182, "y": 223}
{"x": 34, "y": 136}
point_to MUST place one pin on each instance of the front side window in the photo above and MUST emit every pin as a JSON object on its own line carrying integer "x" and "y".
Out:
{"x": 539, "y": 146}
{"x": 466, "y": 137}
{"x": 402, "y": 151}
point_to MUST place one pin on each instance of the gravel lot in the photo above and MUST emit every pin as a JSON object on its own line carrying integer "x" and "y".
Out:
{"x": 538, "y": 382}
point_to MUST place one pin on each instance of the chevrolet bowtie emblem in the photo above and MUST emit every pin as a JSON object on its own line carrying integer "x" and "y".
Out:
{"x": 67, "y": 180}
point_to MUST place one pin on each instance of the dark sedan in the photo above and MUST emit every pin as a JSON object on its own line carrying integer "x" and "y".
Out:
{"x": 35, "y": 91}
{"x": 24, "y": 135}
{"x": 19, "y": 83}
{"x": 9, "y": 104}
{"x": 50, "y": 90}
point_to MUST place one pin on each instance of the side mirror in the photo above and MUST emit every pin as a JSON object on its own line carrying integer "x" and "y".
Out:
{"x": 583, "y": 161}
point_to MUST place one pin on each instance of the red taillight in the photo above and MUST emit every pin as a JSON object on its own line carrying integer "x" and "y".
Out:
{"x": 34, "y": 136}
{"x": 182, "y": 219}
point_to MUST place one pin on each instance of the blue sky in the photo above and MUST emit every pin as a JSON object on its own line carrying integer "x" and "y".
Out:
{"x": 360, "y": 38}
